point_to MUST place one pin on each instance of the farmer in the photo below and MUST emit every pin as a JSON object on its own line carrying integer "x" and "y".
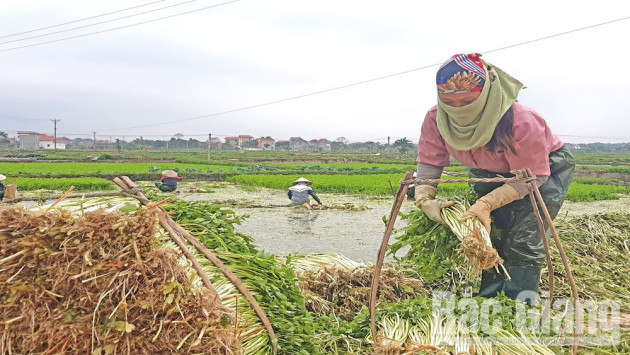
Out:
{"x": 299, "y": 193}
{"x": 479, "y": 121}
{"x": 168, "y": 182}
{"x": 2, "y": 177}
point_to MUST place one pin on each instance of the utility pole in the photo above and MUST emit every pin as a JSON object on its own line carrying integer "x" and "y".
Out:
{"x": 94, "y": 141}
{"x": 54, "y": 121}
{"x": 209, "y": 143}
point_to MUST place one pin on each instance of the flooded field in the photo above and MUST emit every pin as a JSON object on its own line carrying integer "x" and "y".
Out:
{"x": 284, "y": 230}
{"x": 357, "y": 233}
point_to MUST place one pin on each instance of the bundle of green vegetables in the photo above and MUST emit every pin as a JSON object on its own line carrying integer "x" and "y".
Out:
{"x": 427, "y": 250}
{"x": 415, "y": 327}
{"x": 273, "y": 283}
{"x": 476, "y": 245}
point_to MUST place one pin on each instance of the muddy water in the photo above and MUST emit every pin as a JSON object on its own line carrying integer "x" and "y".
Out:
{"x": 284, "y": 230}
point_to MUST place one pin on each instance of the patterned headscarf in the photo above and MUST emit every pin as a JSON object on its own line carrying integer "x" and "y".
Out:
{"x": 472, "y": 126}
{"x": 461, "y": 73}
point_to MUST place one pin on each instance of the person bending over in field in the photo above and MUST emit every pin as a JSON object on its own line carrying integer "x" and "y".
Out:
{"x": 168, "y": 182}
{"x": 2, "y": 177}
{"x": 479, "y": 122}
{"x": 299, "y": 194}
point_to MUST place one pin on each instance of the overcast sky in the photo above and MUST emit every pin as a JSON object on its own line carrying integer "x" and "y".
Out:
{"x": 247, "y": 53}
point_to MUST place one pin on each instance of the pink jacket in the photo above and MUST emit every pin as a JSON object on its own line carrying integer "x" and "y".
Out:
{"x": 532, "y": 136}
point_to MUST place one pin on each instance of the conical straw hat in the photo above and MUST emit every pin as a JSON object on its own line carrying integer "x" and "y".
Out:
{"x": 169, "y": 173}
{"x": 306, "y": 181}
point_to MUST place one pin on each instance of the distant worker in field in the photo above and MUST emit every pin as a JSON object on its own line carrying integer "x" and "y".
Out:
{"x": 299, "y": 193}
{"x": 479, "y": 122}
{"x": 168, "y": 182}
{"x": 2, "y": 177}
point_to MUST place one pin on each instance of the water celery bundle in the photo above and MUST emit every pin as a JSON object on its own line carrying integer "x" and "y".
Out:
{"x": 476, "y": 245}
{"x": 445, "y": 335}
{"x": 98, "y": 282}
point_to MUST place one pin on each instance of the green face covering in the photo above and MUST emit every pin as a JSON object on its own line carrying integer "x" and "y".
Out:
{"x": 472, "y": 126}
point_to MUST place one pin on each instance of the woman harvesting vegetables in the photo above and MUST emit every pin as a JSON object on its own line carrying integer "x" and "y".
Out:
{"x": 479, "y": 122}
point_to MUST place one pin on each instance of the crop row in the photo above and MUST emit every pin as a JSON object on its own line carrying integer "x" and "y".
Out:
{"x": 379, "y": 184}
{"x": 17, "y": 169}
{"x": 111, "y": 168}
{"x": 62, "y": 184}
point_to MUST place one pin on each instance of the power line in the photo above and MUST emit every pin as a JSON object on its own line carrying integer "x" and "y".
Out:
{"x": 277, "y": 101}
{"x": 118, "y": 28}
{"x": 558, "y": 34}
{"x": 593, "y": 137}
{"x": 134, "y": 135}
{"x": 363, "y": 81}
{"x": 98, "y": 23}
{"x": 22, "y": 118}
{"x": 79, "y": 20}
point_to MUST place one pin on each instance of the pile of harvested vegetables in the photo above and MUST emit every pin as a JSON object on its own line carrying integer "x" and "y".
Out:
{"x": 99, "y": 283}
{"x": 335, "y": 285}
{"x": 73, "y": 282}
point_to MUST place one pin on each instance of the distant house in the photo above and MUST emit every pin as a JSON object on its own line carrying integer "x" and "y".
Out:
{"x": 48, "y": 142}
{"x": 231, "y": 142}
{"x": 266, "y": 143}
{"x": 298, "y": 144}
{"x": 283, "y": 145}
{"x": 243, "y": 139}
{"x": 215, "y": 143}
{"x": 28, "y": 140}
{"x": 322, "y": 144}
{"x": 35, "y": 140}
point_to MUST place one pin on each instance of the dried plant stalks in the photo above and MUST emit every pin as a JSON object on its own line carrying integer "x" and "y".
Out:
{"x": 100, "y": 284}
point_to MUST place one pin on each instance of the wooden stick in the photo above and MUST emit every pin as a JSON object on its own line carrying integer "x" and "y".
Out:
{"x": 543, "y": 236}
{"x": 473, "y": 180}
{"x": 232, "y": 277}
{"x": 565, "y": 261}
{"x": 400, "y": 197}
{"x": 62, "y": 197}
{"x": 212, "y": 258}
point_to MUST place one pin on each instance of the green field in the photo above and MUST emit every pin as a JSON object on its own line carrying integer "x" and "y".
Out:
{"x": 63, "y": 184}
{"x": 96, "y": 169}
{"x": 374, "y": 184}
{"x": 331, "y": 172}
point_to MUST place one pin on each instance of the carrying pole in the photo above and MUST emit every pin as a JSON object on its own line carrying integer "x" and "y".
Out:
{"x": 400, "y": 197}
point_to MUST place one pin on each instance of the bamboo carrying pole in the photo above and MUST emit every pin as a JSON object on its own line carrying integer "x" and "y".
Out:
{"x": 400, "y": 197}
{"x": 176, "y": 231}
{"x": 543, "y": 236}
{"x": 524, "y": 175}
{"x": 577, "y": 329}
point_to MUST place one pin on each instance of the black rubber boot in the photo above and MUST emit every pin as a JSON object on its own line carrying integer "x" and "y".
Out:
{"x": 491, "y": 283}
{"x": 524, "y": 283}
{"x": 524, "y": 278}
